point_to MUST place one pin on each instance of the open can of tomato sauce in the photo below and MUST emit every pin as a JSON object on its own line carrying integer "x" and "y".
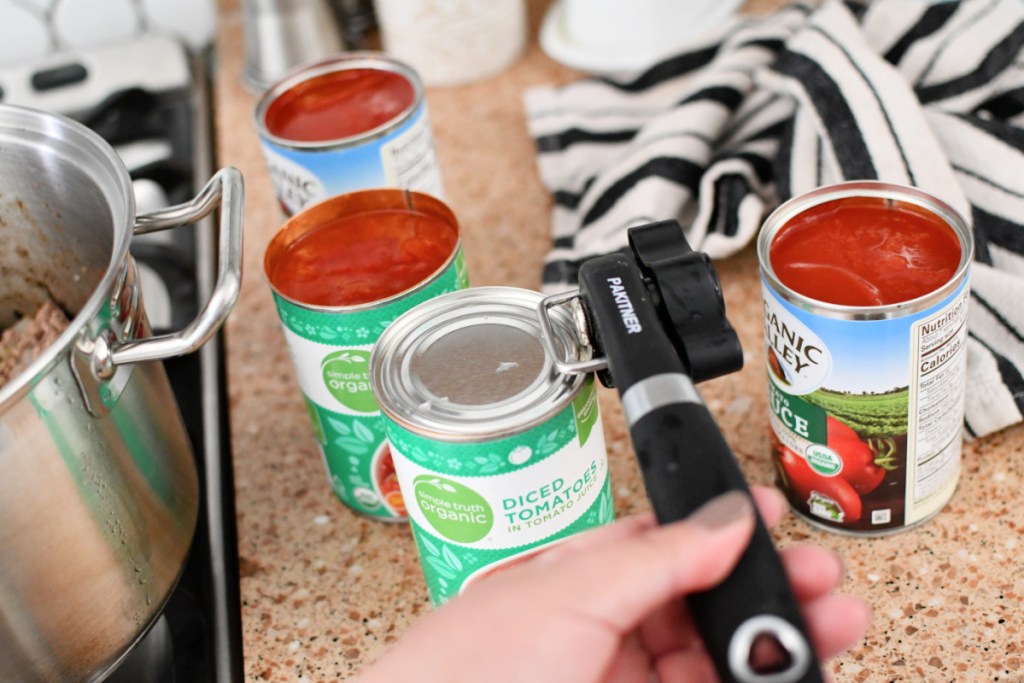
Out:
{"x": 353, "y": 122}
{"x": 865, "y": 289}
{"x": 341, "y": 272}
{"x": 498, "y": 454}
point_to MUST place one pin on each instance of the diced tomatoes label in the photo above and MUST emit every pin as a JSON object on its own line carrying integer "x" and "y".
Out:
{"x": 474, "y": 504}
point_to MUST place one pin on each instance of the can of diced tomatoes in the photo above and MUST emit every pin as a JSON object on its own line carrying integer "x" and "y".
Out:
{"x": 341, "y": 272}
{"x": 865, "y": 288}
{"x": 498, "y": 454}
{"x": 352, "y": 122}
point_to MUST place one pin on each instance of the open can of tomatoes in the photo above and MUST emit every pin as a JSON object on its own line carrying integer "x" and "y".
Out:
{"x": 865, "y": 289}
{"x": 341, "y": 272}
{"x": 499, "y": 455}
{"x": 352, "y": 122}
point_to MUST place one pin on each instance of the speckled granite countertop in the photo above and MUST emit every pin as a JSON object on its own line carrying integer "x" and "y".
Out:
{"x": 325, "y": 591}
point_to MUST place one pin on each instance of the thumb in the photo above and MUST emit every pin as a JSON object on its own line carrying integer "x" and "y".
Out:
{"x": 620, "y": 582}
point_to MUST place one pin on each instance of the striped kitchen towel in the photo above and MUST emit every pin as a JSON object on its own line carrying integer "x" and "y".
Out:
{"x": 906, "y": 91}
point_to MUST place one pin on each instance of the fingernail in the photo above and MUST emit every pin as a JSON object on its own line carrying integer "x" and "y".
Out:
{"x": 722, "y": 511}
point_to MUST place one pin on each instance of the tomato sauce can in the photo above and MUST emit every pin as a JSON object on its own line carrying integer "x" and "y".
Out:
{"x": 307, "y": 166}
{"x": 866, "y": 403}
{"x": 498, "y": 455}
{"x": 330, "y": 348}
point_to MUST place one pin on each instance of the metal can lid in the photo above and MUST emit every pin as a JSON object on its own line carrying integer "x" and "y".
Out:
{"x": 470, "y": 366}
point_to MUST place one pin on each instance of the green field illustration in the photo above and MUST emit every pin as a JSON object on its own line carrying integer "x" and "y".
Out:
{"x": 870, "y": 415}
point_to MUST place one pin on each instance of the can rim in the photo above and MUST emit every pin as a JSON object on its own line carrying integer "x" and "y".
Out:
{"x": 306, "y": 220}
{"x": 348, "y": 61}
{"x": 864, "y": 188}
{"x": 390, "y": 379}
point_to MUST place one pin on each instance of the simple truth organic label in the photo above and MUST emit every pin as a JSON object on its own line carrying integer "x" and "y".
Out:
{"x": 451, "y": 508}
{"x": 476, "y": 507}
{"x": 330, "y": 350}
{"x": 346, "y": 375}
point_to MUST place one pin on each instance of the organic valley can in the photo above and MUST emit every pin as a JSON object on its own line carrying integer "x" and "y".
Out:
{"x": 498, "y": 455}
{"x": 340, "y": 272}
{"x": 865, "y": 289}
{"x": 352, "y": 122}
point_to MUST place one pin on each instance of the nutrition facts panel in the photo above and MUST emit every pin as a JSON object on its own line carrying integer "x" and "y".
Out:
{"x": 409, "y": 159}
{"x": 936, "y": 398}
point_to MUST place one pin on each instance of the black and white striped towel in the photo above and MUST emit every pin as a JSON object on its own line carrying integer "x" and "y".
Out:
{"x": 770, "y": 107}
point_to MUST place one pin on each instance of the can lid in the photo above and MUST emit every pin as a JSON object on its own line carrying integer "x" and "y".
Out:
{"x": 471, "y": 366}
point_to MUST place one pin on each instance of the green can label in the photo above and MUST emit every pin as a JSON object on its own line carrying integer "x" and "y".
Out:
{"x": 476, "y": 508}
{"x": 330, "y": 350}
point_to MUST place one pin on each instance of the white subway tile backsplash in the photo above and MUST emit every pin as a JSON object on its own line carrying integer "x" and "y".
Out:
{"x": 34, "y": 28}
{"x": 191, "y": 20}
{"x": 88, "y": 23}
{"x": 40, "y": 7}
{"x": 23, "y": 34}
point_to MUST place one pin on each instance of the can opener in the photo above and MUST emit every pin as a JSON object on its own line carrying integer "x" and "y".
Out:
{"x": 654, "y": 318}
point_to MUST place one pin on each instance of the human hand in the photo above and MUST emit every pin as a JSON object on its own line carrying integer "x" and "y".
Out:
{"x": 605, "y": 606}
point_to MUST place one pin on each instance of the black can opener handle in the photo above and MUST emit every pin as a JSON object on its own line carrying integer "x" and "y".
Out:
{"x": 685, "y": 461}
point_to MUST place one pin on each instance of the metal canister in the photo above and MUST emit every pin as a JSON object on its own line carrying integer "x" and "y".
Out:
{"x": 498, "y": 454}
{"x": 866, "y": 403}
{"x": 330, "y": 348}
{"x": 398, "y": 152}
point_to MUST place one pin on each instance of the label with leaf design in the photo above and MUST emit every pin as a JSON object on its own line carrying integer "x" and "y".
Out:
{"x": 330, "y": 350}
{"x": 476, "y": 507}
{"x": 359, "y": 463}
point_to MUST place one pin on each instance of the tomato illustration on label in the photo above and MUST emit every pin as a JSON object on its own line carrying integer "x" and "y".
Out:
{"x": 831, "y": 498}
{"x": 386, "y": 481}
{"x": 859, "y": 466}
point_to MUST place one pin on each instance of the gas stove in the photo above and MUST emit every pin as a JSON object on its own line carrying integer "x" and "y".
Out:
{"x": 149, "y": 99}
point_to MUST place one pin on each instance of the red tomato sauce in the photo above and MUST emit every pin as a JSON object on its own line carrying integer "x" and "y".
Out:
{"x": 865, "y": 251}
{"x": 339, "y": 104}
{"x": 363, "y": 257}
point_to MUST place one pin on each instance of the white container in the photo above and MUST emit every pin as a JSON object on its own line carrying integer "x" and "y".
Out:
{"x": 615, "y": 37}
{"x": 453, "y": 42}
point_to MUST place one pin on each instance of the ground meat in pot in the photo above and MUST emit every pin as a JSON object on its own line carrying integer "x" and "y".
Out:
{"x": 22, "y": 343}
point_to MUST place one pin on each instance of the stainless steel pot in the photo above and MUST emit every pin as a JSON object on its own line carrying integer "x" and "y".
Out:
{"x": 98, "y": 488}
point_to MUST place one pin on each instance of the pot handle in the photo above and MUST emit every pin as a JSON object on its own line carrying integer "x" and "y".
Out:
{"x": 226, "y": 190}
